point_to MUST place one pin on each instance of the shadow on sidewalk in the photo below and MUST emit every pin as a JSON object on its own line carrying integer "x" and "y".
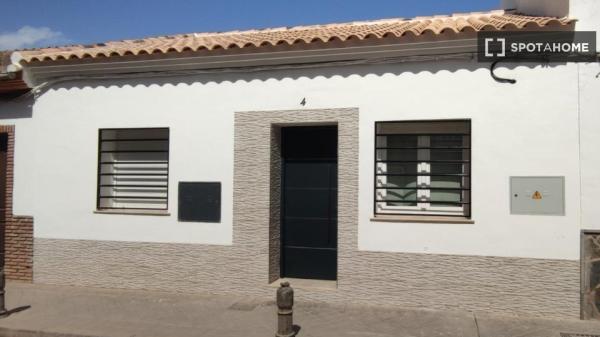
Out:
{"x": 15, "y": 310}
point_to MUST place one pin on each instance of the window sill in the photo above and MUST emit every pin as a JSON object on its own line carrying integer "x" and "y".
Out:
{"x": 422, "y": 219}
{"x": 158, "y": 212}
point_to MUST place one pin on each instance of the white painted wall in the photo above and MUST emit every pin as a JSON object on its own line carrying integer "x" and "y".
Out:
{"x": 557, "y": 8}
{"x": 587, "y": 13}
{"x": 530, "y": 128}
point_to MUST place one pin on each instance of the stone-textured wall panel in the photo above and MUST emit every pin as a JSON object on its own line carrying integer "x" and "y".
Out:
{"x": 275, "y": 206}
{"x": 547, "y": 288}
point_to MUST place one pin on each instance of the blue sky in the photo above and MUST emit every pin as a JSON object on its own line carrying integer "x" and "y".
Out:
{"x": 37, "y": 23}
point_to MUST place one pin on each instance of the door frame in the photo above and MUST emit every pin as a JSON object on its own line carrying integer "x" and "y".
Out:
{"x": 256, "y": 192}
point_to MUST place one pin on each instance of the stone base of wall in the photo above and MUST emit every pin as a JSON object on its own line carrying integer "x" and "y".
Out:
{"x": 517, "y": 286}
{"x": 18, "y": 249}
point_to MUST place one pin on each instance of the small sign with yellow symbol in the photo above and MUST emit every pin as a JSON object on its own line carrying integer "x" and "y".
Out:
{"x": 536, "y": 195}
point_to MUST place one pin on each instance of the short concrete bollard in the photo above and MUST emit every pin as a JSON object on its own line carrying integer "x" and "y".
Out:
{"x": 285, "y": 302}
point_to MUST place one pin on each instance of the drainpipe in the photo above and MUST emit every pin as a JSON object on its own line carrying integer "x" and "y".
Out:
{"x": 12, "y": 66}
{"x": 7, "y": 76}
{"x": 11, "y": 72}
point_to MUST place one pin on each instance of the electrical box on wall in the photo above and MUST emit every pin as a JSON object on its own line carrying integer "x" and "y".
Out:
{"x": 537, "y": 195}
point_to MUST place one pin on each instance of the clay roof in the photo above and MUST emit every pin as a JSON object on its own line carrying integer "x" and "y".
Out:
{"x": 457, "y": 23}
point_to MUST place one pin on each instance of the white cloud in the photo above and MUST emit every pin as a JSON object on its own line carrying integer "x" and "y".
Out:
{"x": 29, "y": 37}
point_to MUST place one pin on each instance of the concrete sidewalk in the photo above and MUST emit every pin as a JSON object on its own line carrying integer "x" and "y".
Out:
{"x": 76, "y": 311}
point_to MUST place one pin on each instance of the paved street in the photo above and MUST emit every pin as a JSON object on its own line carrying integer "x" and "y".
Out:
{"x": 76, "y": 311}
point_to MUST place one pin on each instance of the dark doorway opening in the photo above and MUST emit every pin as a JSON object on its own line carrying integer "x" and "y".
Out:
{"x": 309, "y": 202}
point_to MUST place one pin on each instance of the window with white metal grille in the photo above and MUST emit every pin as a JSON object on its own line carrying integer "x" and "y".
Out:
{"x": 133, "y": 168}
{"x": 423, "y": 167}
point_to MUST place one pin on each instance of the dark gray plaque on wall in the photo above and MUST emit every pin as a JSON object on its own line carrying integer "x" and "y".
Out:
{"x": 199, "y": 202}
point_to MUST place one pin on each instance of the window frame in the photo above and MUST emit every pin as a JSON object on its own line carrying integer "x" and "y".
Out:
{"x": 100, "y": 208}
{"x": 424, "y": 209}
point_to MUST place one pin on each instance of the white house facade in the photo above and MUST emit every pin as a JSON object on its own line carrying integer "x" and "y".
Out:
{"x": 385, "y": 169}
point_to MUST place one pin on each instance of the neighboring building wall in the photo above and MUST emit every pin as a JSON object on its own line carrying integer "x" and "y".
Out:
{"x": 558, "y": 8}
{"x": 587, "y": 13}
{"x": 504, "y": 263}
{"x": 19, "y": 249}
{"x": 589, "y": 110}
{"x": 18, "y": 230}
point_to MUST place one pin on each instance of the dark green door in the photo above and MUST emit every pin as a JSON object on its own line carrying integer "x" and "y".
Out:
{"x": 309, "y": 202}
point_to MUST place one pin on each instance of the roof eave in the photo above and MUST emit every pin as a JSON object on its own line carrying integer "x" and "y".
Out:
{"x": 300, "y": 35}
{"x": 43, "y": 71}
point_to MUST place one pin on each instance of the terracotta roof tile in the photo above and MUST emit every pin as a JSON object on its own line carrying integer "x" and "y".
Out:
{"x": 495, "y": 20}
